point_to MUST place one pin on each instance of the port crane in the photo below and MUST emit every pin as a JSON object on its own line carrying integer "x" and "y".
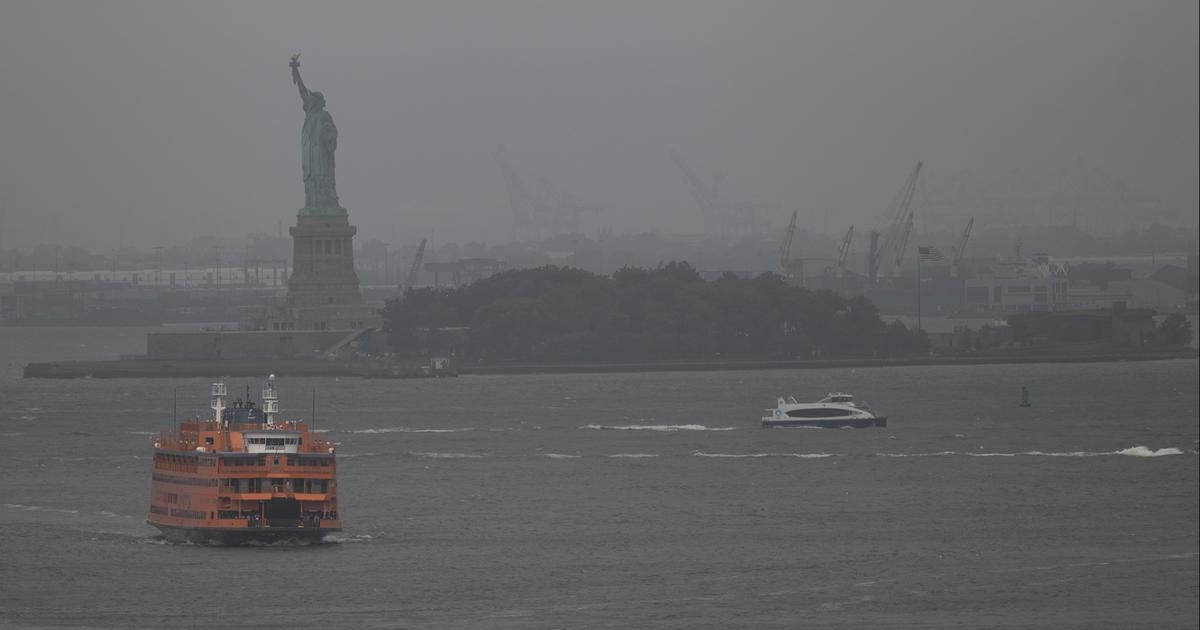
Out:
{"x": 785, "y": 249}
{"x": 536, "y": 212}
{"x": 895, "y": 241}
{"x": 843, "y": 253}
{"x": 902, "y": 245}
{"x": 720, "y": 216}
{"x": 956, "y": 250}
{"x": 411, "y": 279}
{"x": 792, "y": 267}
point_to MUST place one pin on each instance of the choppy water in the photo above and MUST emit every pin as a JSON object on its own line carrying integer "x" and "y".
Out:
{"x": 635, "y": 500}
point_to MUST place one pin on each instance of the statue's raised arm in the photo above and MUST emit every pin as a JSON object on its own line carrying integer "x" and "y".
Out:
{"x": 318, "y": 141}
{"x": 295, "y": 65}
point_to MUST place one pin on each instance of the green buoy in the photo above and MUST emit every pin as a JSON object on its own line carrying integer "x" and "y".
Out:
{"x": 1025, "y": 396}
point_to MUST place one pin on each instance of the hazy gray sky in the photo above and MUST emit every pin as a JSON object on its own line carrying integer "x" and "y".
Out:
{"x": 145, "y": 123}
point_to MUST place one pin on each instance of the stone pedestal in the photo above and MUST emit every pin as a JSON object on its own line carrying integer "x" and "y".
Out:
{"x": 323, "y": 262}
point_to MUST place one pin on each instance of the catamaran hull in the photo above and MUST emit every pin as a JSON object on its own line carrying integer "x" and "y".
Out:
{"x": 825, "y": 423}
{"x": 243, "y": 536}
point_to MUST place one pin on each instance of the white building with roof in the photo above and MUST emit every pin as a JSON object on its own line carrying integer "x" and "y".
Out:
{"x": 1019, "y": 286}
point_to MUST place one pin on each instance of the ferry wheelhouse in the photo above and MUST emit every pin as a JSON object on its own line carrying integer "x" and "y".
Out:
{"x": 244, "y": 475}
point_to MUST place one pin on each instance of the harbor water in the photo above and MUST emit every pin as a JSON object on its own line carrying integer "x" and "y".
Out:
{"x": 629, "y": 500}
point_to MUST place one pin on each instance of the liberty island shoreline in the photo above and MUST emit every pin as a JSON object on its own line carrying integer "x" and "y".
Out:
{"x": 315, "y": 367}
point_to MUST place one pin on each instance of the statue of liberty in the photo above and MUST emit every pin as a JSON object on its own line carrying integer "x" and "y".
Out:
{"x": 318, "y": 140}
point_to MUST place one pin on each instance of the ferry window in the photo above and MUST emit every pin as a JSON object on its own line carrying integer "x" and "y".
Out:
{"x": 818, "y": 412}
{"x": 208, "y": 440}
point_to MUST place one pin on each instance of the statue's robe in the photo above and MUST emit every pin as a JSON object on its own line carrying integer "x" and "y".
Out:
{"x": 318, "y": 141}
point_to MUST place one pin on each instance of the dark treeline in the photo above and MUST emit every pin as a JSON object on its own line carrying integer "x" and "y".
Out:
{"x": 670, "y": 313}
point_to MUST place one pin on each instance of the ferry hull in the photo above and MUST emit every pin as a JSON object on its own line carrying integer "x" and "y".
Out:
{"x": 243, "y": 535}
{"x": 825, "y": 423}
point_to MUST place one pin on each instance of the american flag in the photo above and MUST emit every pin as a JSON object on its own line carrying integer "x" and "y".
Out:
{"x": 929, "y": 253}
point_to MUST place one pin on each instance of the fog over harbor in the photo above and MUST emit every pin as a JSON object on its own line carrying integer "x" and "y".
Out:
{"x": 144, "y": 124}
{"x": 584, "y": 313}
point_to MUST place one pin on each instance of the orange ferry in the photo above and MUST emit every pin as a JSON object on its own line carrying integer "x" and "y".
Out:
{"x": 244, "y": 475}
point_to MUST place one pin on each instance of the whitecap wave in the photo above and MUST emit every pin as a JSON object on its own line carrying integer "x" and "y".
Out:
{"x": 10, "y": 434}
{"x": 285, "y": 542}
{"x": 38, "y": 508}
{"x": 978, "y": 454}
{"x": 1134, "y": 451}
{"x": 350, "y": 455}
{"x": 655, "y": 427}
{"x": 341, "y": 539}
{"x": 446, "y": 455}
{"x": 406, "y": 430}
{"x": 560, "y": 456}
{"x": 631, "y": 455}
{"x": 937, "y": 454}
{"x": 143, "y": 433}
{"x": 1142, "y": 451}
{"x": 740, "y": 455}
{"x": 1066, "y": 454}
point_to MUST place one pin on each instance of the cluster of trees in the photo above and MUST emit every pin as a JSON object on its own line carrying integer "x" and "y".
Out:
{"x": 1174, "y": 331}
{"x": 669, "y": 313}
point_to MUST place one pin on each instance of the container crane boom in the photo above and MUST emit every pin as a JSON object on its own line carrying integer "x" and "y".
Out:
{"x": 843, "y": 251}
{"x": 902, "y": 246}
{"x": 961, "y": 243}
{"x": 525, "y": 203}
{"x": 416, "y": 266}
{"x": 956, "y": 251}
{"x": 896, "y": 239}
{"x": 785, "y": 249}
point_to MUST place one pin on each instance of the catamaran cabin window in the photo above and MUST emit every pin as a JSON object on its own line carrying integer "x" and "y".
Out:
{"x": 819, "y": 412}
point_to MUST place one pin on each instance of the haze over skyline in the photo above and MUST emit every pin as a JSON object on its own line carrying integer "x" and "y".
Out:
{"x": 143, "y": 124}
